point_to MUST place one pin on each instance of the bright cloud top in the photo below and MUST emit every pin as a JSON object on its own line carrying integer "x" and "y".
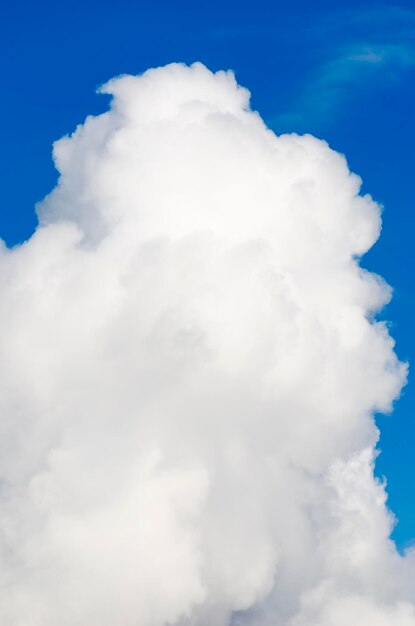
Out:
{"x": 189, "y": 371}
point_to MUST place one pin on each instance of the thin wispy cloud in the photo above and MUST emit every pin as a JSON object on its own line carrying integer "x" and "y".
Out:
{"x": 354, "y": 51}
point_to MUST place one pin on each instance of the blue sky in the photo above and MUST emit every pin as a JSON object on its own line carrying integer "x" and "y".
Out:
{"x": 343, "y": 71}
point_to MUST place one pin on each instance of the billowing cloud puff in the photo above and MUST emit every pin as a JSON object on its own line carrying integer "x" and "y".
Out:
{"x": 190, "y": 364}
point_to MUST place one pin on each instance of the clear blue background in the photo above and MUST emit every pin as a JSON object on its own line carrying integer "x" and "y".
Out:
{"x": 344, "y": 71}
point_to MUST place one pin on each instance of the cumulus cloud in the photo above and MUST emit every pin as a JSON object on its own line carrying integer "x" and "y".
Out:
{"x": 190, "y": 364}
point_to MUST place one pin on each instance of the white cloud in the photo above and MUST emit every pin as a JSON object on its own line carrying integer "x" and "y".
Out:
{"x": 189, "y": 374}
